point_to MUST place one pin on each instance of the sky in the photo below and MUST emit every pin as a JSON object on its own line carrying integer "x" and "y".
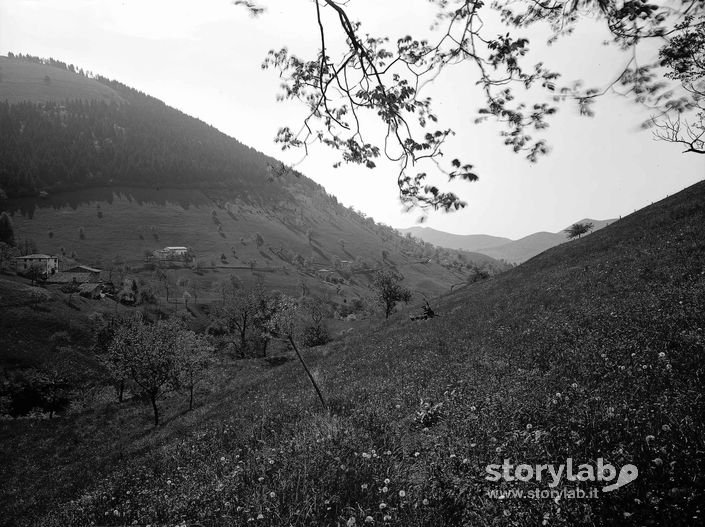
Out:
{"x": 203, "y": 57}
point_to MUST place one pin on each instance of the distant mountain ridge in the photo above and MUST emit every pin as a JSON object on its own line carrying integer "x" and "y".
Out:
{"x": 512, "y": 251}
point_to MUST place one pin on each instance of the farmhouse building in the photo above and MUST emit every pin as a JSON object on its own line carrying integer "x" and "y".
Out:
{"x": 171, "y": 253}
{"x": 90, "y": 290}
{"x": 92, "y": 272}
{"x": 48, "y": 265}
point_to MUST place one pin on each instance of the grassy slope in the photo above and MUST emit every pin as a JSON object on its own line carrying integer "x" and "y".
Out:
{"x": 556, "y": 358}
{"x": 184, "y": 217}
{"x": 22, "y": 81}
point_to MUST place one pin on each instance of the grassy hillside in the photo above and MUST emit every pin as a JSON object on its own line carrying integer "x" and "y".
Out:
{"x": 592, "y": 349}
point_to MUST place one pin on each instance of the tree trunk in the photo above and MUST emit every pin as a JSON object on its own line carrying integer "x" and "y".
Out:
{"x": 313, "y": 381}
{"x": 264, "y": 348}
{"x": 190, "y": 402}
{"x": 153, "y": 398}
{"x": 120, "y": 390}
{"x": 243, "y": 334}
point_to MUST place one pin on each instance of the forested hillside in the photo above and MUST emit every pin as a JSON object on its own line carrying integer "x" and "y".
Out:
{"x": 72, "y": 143}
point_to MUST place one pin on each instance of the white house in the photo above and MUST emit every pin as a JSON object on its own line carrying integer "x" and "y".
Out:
{"x": 171, "y": 253}
{"x": 48, "y": 265}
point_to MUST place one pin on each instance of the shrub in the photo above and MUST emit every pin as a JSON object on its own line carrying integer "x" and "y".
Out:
{"x": 314, "y": 335}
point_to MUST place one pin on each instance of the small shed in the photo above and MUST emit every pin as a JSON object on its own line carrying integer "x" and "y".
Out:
{"x": 90, "y": 290}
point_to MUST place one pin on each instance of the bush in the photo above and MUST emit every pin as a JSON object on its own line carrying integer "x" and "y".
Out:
{"x": 314, "y": 336}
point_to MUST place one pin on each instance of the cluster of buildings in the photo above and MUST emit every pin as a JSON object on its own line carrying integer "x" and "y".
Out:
{"x": 87, "y": 278}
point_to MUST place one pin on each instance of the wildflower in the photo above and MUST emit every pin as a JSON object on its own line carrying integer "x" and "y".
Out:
{"x": 260, "y": 479}
{"x": 387, "y": 518}
{"x": 658, "y": 461}
{"x": 402, "y": 494}
{"x": 558, "y": 395}
{"x": 386, "y": 481}
{"x": 272, "y": 494}
{"x": 668, "y": 367}
{"x": 574, "y": 386}
{"x": 369, "y": 519}
{"x": 352, "y": 521}
{"x": 666, "y": 428}
{"x": 416, "y": 454}
{"x": 260, "y": 516}
{"x": 662, "y": 355}
{"x": 222, "y": 459}
{"x": 366, "y": 455}
{"x": 472, "y": 408}
{"x": 498, "y": 449}
{"x": 649, "y": 438}
{"x": 364, "y": 486}
{"x": 385, "y": 489}
{"x": 382, "y": 506}
{"x": 529, "y": 426}
{"x": 425, "y": 501}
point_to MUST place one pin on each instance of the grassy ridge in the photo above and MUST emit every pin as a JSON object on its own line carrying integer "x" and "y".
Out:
{"x": 592, "y": 349}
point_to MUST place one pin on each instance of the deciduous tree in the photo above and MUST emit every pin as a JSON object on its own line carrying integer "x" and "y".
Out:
{"x": 389, "y": 291}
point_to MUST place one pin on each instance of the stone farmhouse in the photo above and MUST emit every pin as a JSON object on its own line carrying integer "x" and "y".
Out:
{"x": 48, "y": 265}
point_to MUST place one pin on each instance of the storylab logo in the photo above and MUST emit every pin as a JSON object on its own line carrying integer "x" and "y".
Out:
{"x": 601, "y": 472}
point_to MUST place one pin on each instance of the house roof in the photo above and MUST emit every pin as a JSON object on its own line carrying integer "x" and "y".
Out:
{"x": 83, "y": 268}
{"x": 35, "y": 257}
{"x": 88, "y": 288}
{"x": 175, "y": 248}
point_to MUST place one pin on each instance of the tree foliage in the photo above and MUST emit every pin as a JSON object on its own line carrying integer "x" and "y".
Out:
{"x": 389, "y": 291}
{"x": 375, "y": 76}
{"x": 578, "y": 229}
{"x": 149, "y": 355}
{"x": 7, "y": 229}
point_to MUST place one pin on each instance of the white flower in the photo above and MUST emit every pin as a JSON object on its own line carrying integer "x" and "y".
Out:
{"x": 369, "y": 519}
{"x": 385, "y": 489}
{"x": 386, "y": 481}
{"x": 382, "y": 506}
{"x": 402, "y": 494}
{"x": 272, "y": 494}
{"x": 425, "y": 501}
{"x": 352, "y": 521}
